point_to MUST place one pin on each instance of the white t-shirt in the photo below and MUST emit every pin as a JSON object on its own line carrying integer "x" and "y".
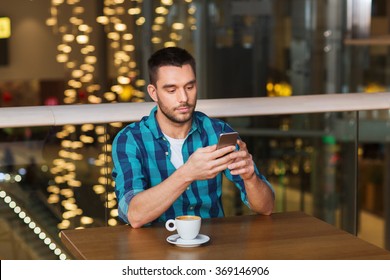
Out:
{"x": 176, "y": 154}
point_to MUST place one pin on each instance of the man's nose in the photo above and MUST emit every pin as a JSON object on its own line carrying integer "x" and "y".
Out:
{"x": 182, "y": 95}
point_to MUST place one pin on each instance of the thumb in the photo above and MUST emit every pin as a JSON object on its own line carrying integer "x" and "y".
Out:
{"x": 211, "y": 148}
{"x": 208, "y": 149}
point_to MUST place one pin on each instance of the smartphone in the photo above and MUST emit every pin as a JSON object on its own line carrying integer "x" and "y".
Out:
{"x": 227, "y": 139}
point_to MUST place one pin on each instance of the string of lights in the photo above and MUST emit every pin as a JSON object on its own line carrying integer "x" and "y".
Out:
{"x": 32, "y": 225}
{"x": 122, "y": 20}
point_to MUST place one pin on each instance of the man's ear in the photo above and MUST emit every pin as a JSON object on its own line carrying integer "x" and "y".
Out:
{"x": 152, "y": 92}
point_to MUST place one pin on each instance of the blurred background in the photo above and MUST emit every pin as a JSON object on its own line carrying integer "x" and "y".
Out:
{"x": 67, "y": 52}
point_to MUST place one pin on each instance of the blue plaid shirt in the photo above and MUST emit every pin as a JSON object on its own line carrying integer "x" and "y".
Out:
{"x": 141, "y": 157}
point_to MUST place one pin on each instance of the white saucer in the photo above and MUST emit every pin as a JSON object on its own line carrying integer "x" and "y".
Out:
{"x": 197, "y": 241}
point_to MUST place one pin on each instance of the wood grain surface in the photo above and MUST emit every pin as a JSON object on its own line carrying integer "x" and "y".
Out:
{"x": 281, "y": 236}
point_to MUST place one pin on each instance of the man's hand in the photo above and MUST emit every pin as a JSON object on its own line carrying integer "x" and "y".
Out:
{"x": 242, "y": 162}
{"x": 205, "y": 163}
{"x": 260, "y": 196}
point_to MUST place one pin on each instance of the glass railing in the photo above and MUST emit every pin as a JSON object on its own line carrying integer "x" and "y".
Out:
{"x": 325, "y": 155}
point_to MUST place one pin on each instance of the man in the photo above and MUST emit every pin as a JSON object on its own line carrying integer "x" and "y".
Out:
{"x": 168, "y": 165}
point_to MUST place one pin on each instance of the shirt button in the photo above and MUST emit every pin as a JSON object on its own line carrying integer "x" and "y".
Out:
{"x": 188, "y": 188}
{"x": 166, "y": 153}
{"x": 192, "y": 208}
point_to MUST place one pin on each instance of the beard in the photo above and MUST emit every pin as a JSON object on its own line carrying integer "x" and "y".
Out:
{"x": 174, "y": 115}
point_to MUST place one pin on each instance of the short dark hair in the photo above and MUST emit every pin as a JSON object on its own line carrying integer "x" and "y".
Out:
{"x": 171, "y": 56}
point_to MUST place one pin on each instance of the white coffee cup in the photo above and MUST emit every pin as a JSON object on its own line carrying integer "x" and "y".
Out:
{"x": 187, "y": 227}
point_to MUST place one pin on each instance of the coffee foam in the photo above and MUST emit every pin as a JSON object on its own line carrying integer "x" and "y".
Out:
{"x": 187, "y": 218}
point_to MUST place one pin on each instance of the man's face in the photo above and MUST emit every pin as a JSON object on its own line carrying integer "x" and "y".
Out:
{"x": 175, "y": 93}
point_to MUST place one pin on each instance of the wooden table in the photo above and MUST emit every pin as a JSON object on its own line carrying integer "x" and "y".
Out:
{"x": 281, "y": 236}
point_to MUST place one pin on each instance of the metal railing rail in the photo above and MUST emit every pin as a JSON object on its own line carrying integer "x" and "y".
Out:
{"x": 30, "y": 116}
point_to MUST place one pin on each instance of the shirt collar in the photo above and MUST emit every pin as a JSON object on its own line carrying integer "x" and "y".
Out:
{"x": 152, "y": 124}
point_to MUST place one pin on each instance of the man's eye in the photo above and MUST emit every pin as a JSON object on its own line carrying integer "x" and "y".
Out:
{"x": 171, "y": 90}
{"x": 190, "y": 87}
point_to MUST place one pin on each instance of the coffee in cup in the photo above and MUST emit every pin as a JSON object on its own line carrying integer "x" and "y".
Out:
{"x": 187, "y": 226}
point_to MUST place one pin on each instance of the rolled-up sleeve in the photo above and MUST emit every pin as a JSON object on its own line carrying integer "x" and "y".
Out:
{"x": 127, "y": 172}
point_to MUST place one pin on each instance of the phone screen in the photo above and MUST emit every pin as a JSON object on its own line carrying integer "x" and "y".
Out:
{"x": 227, "y": 139}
